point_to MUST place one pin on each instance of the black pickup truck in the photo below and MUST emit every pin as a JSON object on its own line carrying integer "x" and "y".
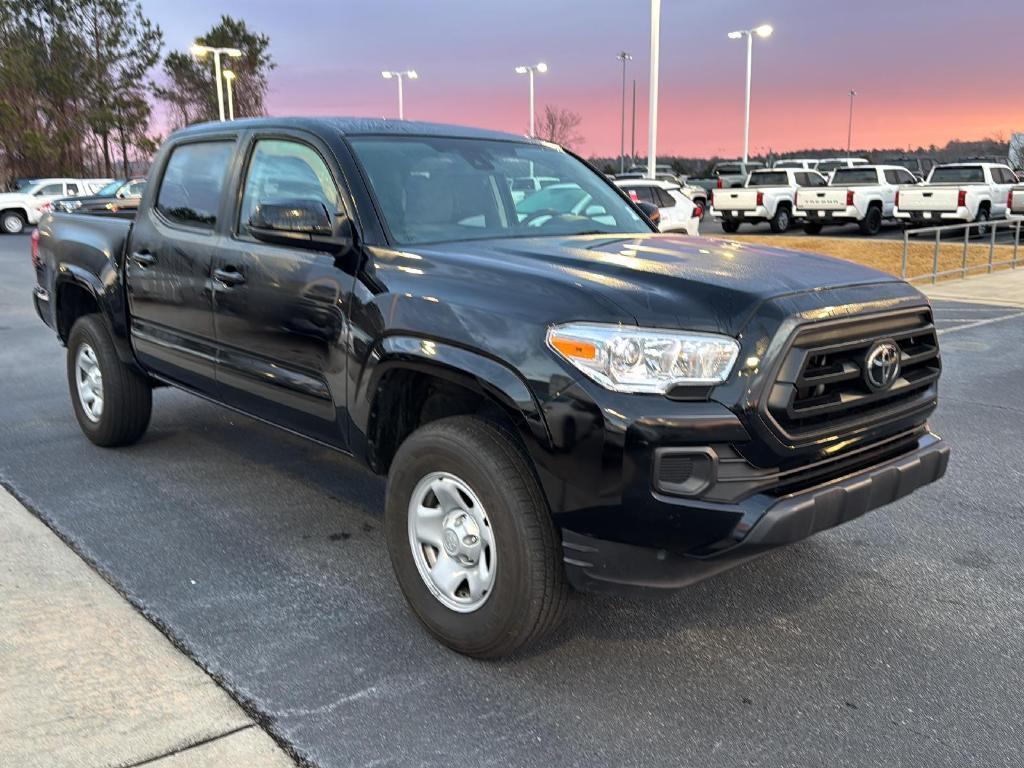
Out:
{"x": 558, "y": 396}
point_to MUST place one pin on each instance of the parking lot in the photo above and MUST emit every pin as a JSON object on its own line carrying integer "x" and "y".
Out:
{"x": 894, "y": 640}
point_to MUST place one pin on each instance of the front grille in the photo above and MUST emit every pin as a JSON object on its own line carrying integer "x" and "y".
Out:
{"x": 821, "y": 387}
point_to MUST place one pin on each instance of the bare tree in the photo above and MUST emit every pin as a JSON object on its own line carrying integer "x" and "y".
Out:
{"x": 560, "y": 126}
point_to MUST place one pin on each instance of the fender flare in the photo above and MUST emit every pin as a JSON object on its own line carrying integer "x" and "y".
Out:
{"x": 73, "y": 275}
{"x": 475, "y": 370}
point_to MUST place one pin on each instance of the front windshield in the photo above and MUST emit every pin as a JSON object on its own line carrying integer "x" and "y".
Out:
{"x": 26, "y": 186}
{"x": 111, "y": 189}
{"x": 442, "y": 189}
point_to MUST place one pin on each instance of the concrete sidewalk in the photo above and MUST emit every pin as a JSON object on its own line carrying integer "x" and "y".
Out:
{"x": 85, "y": 680}
{"x": 1003, "y": 288}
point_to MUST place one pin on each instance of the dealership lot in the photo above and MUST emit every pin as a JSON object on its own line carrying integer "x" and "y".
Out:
{"x": 892, "y": 641}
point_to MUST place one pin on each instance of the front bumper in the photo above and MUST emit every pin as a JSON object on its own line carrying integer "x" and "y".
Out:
{"x": 594, "y": 565}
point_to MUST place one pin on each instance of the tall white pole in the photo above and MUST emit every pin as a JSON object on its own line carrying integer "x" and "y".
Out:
{"x": 532, "y": 131}
{"x": 220, "y": 85}
{"x": 849, "y": 128}
{"x": 652, "y": 127}
{"x": 746, "y": 112}
{"x": 401, "y": 100}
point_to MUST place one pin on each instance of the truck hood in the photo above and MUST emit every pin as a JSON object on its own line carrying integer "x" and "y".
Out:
{"x": 668, "y": 280}
{"x": 14, "y": 197}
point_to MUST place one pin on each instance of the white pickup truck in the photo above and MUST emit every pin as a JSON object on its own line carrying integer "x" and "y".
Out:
{"x": 957, "y": 192}
{"x": 864, "y": 195}
{"x": 22, "y": 208}
{"x": 768, "y": 196}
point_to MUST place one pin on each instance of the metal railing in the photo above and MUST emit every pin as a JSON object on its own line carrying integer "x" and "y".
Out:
{"x": 1011, "y": 226}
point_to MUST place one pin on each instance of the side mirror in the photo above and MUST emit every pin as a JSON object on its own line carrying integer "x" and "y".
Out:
{"x": 651, "y": 211}
{"x": 300, "y": 223}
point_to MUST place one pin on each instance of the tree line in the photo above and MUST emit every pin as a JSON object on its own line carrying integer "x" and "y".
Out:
{"x": 77, "y": 87}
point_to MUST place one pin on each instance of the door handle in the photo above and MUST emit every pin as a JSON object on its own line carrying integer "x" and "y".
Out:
{"x": 143, "y": 258}
{"x": 228, "y": 276}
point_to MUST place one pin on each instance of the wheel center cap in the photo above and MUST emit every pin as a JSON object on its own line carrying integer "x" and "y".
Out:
{"x": 450, "y": 539}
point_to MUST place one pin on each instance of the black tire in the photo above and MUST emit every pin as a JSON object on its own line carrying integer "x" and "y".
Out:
{"x": 127, "y": 396}
{"x": 12, "y": 222}
{"x": 529, "y": 592}
{"x": 871, "y": 224}
{"x": 812, "y": 227}
{"x": 730, "y": 225}
{"x": 780, "y": 222}
{"x": 982, "y": 220}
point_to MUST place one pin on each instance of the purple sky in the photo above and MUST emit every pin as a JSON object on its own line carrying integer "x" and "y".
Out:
{"x": 925, "y": 71}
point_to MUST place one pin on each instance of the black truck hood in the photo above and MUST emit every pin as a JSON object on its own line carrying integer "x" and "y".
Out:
{"x": 670, "y": 280}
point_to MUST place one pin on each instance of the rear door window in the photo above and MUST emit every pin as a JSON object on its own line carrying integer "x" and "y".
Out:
{"x": 190, "y": 190}
{"x": 665, "y": 200}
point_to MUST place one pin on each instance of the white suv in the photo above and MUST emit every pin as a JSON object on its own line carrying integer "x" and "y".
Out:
{"x": 678, "y": 212}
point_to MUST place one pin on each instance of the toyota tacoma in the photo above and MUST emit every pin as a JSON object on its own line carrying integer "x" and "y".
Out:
{"x": 558, "y": 398}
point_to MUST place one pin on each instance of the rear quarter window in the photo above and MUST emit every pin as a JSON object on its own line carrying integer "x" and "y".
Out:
{"x": 193, "y": 180}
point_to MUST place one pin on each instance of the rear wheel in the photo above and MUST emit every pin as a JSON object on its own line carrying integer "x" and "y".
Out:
{"x": 730, "y": 225}
{"x": 780, "y": 222}
{"x": 982, "y": 221}
{"x": 112, "y": 401}
{"x": 471, "y": 539}
{"x": 871, "y": 224}
{"x": 12, "y": 222}
{"x": 812, "y": 227}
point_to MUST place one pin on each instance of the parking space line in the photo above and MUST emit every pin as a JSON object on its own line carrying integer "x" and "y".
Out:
{"x": 977, "y": 323}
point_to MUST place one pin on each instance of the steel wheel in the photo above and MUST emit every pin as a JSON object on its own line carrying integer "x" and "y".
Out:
{"x": 452, "y": 542}
{"x": 90, "y": 382}
{"x": 12, "y": 223}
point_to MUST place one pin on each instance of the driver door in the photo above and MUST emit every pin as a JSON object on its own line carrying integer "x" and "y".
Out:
{"x": 280, "y": 311}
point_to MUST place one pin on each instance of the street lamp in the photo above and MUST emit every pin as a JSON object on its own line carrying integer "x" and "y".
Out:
{"x": 201, "y": 50}
{"x": 623, "y": 57}
{"x": 765, "y": 30}
{"x": 531, "y": 70}
{"x": 849, "y": 129}
{"x": 652, "y": 119}
{"x": 230, "y": 77}
{"x": 400, "y": 76}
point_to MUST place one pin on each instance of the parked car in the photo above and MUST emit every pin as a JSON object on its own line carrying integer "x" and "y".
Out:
{"x": 957, "y": 192}
{"x": 23, "y": 208}
{"x": 919, "y": 166}
{"x": 802, "y": 163}
{"x": 727, "y": 174}
{"x": 768, "y": 196}
{"x": 1015, "y": 201}
{"x": 864, "y": 195}
{"x": 109, "y": 198}
{"x": 523, "y": 186}
{"x": 678, "y": 213}
{"x": 829, "y": 164}
{"x": 555, "y": 397}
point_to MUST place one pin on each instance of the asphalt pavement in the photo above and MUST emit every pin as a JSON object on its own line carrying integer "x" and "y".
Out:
{"x": 895, "y": 640}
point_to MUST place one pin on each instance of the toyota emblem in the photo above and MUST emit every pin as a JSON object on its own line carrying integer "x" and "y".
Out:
{"x": 882, "y": 364}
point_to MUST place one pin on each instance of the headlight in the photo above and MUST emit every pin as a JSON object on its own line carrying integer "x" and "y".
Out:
{"x": 69, "y": 206}
{"x": 626, "y": 359}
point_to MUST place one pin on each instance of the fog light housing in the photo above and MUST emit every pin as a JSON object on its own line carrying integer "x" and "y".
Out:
{"x": 684, "y": 471}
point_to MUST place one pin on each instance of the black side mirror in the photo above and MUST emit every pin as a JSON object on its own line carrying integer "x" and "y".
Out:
{"x": 651, "y": 211}
{"x": 301, "y": 223}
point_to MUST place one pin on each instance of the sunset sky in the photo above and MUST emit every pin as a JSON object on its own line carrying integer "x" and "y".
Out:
{"x": 924, "y": 71}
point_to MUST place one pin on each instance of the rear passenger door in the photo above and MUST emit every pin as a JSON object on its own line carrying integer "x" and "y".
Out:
{"x": 168, "y": 264}
{"x": 280, "y": 311}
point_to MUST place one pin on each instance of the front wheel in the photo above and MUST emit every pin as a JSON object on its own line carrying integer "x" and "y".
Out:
{"x": 112, "y": 401}
{"x": 471, "y": 539}
{"x": 12, "y": 222}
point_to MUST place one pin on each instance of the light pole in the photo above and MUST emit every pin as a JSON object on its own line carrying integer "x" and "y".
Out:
{"x": 849, "y": 128}
{"x": 765, "y": 30}
{"x": 652, "y": 119}
{"x": 201, "y": 50}
{"x": 230, "y": 77}
{"x": 531, "y": 70}
{"x": 623, "y": 57}
{"x": 408, "y": 73}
